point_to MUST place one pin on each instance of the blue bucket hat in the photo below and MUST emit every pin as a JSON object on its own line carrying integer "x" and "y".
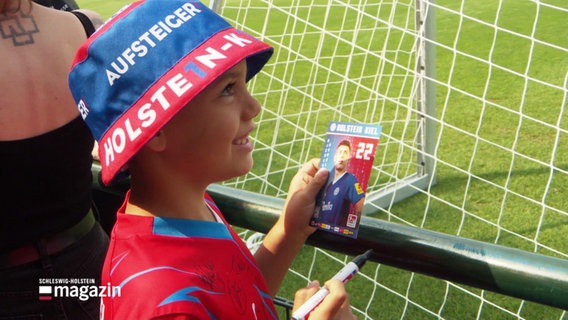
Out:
{"x": 145, "y": 64}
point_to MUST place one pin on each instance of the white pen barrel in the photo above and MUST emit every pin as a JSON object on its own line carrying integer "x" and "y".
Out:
{"x": 348, "y": 271}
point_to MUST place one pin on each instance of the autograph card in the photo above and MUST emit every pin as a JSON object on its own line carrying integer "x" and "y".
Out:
{"x": 348, "y": 153}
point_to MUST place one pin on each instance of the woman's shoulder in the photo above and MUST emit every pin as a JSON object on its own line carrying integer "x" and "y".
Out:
{"x": 58, "y": 25}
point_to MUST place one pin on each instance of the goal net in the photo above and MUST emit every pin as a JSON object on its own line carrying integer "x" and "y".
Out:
{"x": 335, "y": 62}
{"x": 471, "y": 96}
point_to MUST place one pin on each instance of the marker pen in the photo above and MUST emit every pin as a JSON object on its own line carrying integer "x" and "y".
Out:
{"x": 346, "y": 273}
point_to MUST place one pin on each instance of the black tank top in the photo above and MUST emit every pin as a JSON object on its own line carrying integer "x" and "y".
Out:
{"x": 46, "y": 180}
{"x": 46, "y": 183}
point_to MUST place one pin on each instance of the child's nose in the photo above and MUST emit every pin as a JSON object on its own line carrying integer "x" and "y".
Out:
{"x": 252, "y": 108}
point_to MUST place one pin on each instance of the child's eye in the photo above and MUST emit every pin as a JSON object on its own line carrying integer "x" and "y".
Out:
{"x": 228, "y": 90}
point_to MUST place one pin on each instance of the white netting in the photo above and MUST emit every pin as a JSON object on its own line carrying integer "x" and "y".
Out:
{"x": 499, "y": 149}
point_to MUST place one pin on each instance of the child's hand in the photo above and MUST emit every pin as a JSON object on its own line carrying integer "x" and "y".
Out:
{"x": 290, "y": 232}
{"x": 335, "y": 306}
{"x": 302, "y": 193}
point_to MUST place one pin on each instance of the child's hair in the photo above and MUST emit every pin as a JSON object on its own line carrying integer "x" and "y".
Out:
{"x": 145, "y": 64}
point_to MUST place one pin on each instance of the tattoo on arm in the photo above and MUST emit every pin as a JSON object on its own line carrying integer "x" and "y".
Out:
{"x": 20, "y": 28}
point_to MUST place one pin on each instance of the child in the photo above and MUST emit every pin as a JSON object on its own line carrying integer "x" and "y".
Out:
{"x": 162, "y": 85}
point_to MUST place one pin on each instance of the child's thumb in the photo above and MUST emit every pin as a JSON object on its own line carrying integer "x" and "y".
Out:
{"x": 318, "y": 181}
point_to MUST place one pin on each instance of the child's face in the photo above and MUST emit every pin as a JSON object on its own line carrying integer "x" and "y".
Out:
{"x": 208, "y": 139}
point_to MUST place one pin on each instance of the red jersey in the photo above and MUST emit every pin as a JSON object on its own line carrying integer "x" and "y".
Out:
{"x": 176, "y": 267}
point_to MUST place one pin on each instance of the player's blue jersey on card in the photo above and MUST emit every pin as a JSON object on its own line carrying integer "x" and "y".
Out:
{"x": 338, "y": 196}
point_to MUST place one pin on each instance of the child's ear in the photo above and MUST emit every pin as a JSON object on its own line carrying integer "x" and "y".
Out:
{"x": 158, "y": 142}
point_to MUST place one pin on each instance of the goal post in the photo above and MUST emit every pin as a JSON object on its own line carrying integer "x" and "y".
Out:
{"x": 424, "y": 104}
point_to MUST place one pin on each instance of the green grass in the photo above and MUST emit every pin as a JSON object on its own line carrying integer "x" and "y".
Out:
{"x": 508, "y": 142}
